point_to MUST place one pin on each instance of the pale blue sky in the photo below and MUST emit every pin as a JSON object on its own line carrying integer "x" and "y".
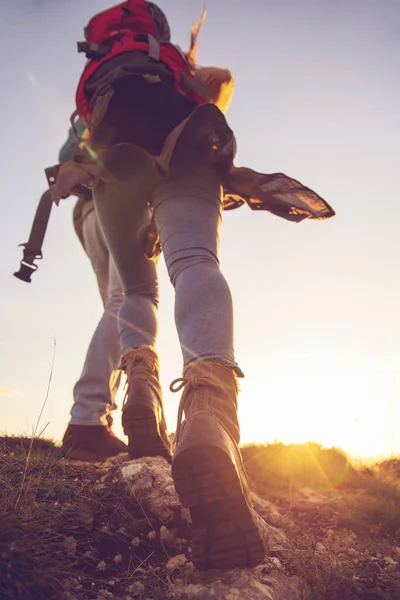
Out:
{"x": 317, "y": 304}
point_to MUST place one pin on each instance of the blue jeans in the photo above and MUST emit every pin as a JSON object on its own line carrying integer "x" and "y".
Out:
{"x": 187, "y": 209}
{"x": 92, "y": 398}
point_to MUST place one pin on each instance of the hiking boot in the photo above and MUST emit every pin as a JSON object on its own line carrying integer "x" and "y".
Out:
{"x": 91, "y": 443}
{"x": 143, "y": 417}
{"x": 208, "y": 471}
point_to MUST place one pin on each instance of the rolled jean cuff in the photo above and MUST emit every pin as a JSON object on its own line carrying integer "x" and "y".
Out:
{"x": 95, "y": 421}
{"x": 226, "y": 362}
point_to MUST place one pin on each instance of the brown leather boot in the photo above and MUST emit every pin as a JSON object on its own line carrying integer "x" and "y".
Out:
{"x": 91, "y": 443}
{"x": 208, "y": 471}
{"x": 143, "y": 417}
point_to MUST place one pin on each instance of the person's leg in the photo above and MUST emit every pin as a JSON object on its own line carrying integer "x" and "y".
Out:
{"x": 207, "y": 468}
{"x": 188, "y": 212}
{"x": 92, "y": 397}
{"x": 88, "y": 435}
{"x": 125, "y": 216}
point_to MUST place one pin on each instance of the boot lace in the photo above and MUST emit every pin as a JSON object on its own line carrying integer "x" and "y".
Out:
{"x": 188, "y": 383}
{"x": 136, "y": 364}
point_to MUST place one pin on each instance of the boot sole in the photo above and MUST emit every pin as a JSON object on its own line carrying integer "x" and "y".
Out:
{"x": 224, "y": 534}
{"x": 144, "y": 439}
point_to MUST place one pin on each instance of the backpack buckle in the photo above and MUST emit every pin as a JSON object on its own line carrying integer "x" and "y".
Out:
{"x": 27, "y": 266}
{"x": 93, "y": 51}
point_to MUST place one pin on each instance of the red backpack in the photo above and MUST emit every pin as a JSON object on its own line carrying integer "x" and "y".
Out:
{"x": 127, "y": 27}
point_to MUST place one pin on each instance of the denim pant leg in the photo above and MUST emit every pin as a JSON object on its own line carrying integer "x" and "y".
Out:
{"x": 124, "y": 214}
{"x": 188, "y": 210}
{"x": 92, "y": 400}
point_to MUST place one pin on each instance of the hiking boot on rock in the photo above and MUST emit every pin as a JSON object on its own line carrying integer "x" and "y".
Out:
{"x": 91, "y": 443}
{"x": 208, "y": 471}
{"x": 143, "y": 417}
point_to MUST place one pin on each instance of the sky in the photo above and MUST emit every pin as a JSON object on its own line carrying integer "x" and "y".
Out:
{"x": 317, "y": 323}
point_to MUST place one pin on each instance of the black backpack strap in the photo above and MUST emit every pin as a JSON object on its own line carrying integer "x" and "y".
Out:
{"x": 33, "y": 247}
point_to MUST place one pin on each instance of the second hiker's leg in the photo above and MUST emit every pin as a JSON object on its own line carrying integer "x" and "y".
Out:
{"x": 124, "y": 215}
{"x": 92, "y": 399}
{"x": 207, "y": 468}
{"x": 88, "y": 435}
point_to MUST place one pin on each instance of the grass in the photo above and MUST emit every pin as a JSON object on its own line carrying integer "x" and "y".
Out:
{"x": 343, "y": 522}
{"x": 66, "y": 529}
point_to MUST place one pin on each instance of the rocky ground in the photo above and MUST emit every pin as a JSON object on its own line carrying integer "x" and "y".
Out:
{"x": 116, "y": 530}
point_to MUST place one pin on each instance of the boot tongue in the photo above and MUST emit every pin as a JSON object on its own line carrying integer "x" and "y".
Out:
{"x": 208, "y": 387}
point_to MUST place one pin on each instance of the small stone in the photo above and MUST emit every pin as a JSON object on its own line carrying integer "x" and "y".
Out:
{"x": 390, "y": 564}
{"x": 166, "y": 535}
{"x": 152, "y": 535}
{"x": 136, "y": 588}
{"x": 121, "y": 530}
{"x": 87, "y": 521}
{"x": 70, "y": 543}
{"x": 88, "y": 554}
{"x": 99, "y": 487}
{"x": 101, "y": 566}
{"x": 234, "y": 594}
{"x": 185, "y": 516}
{"x": 105, "y": 529}
{"x": 276, "y": 562}
{"x": 71, "y": 583}
{"x": 396, "y": 551}
{"x": 135, "y": 542}
{"x": 117, "y": 559}
{"x": 320, "y": 548}
{"x": 177, "y": 561}
{"x": 111, "y": 582}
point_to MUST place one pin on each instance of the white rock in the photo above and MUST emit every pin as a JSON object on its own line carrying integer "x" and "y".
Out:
{"x": 149, "y": 481}
{"x": 390, "y": 564}
{"x": 177, "y": 561}
{"x": 136, "y": 588}
{"x": 244, "y": 584}
{"x": 70, "y": 544}
{"x": 276, "y": 562}
{"x": 135, "y": 541}
{"x": 132, "y": 469}
{"x": 166, "y": 535}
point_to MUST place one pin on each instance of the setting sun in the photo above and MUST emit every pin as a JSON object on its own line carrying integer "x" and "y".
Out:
{"x": 324, "y": 401}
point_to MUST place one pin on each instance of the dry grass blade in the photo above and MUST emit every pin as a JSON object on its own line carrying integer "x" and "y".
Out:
{"x": 34, "y": 436}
